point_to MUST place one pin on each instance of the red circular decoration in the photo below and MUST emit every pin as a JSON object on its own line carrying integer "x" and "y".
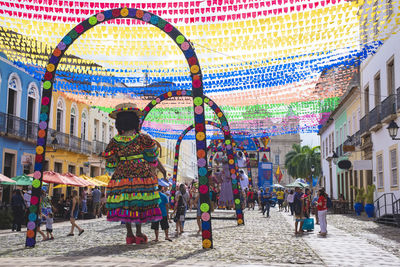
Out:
{"x": 48, "y": 76}
{"x": 240, "y": 216}
{"x": 235, "y": 191}
{"x": 199, "y": 127}
{"x": 196, "y": 83}
{"x": 116, "y": 13}
{"x": 192, "y": 61}
{"x": 206, "y": 234}
{"x": 39, "y": 158}
{"x": 147, "y": 108}
{"x": 45, "y": 101}
{"x": 79, "y": 29}
{"x": 230, "y": 156}
{"x": 217, "y": 110}
{"x": 178, "y": 92}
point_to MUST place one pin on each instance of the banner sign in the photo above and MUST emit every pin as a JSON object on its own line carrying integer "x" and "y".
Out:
{"x": 265, "y": 177}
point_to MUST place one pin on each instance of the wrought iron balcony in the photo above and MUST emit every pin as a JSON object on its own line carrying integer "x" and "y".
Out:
{"x": 375, "y": 116}
{"x": 18, "y": 127}
{"x": 364, "y": 124}
{"x": 398, "y": 98}
{"x": 98, "y": 147}
{"x": 354, "y": 140}
{"x": 388, "y": 106}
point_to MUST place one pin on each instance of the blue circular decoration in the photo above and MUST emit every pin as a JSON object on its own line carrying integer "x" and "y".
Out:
{"x": 108, "y": 14}
{"x": 43, "y": 117}
{"x": 198, "y": 118}
{"x": 154, "y": 20}
{"x": 40, "y": 141}
{"x": 132, "y": 12}
{"x": 188, "y": 92}
{"x": 234, "y": 181}
{"x": 239, "y": 212}
{"x": 189, "y": 53}
{"x": 32, "y": 217}
{"x": 205, "y": 225}
{"x": 30, "y": 242}
{"x": 38, "y": 166}
{"x": 54, "y": 60}
{"x": 67, "y": 40}
{"x": 202, "y": 171}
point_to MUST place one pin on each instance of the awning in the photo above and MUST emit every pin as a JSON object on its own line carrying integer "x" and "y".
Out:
{"x": 104, "y": 178}
{"x": 22, "y": 180}
{"x": 5, "y": 179}
{"x": 79, "y": 180}
{"x": 96, "y": 182}
{"x": 163, "y": 183}
{"x": 56, "y": 178}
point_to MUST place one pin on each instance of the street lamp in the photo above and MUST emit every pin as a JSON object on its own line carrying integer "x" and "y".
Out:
{"x": 393, "y": 128}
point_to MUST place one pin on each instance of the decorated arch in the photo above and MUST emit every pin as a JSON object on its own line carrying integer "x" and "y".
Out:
{"x": 200, "y": 127}
{"x": 198, "y": 102}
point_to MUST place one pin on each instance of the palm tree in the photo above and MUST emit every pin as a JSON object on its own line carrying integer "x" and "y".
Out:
{"x": 299, "y": 161}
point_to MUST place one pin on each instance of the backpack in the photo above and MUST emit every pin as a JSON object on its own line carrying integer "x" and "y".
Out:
{"x": 329, "y": 202}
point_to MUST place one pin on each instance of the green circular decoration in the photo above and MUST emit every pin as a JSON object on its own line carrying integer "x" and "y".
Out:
{"x": 161, "y": 23}
{"x": 44, "y": 109}
{"x": 204, "y": 207}
{"x": 175, "y": 160}
{"x": 203, "y": 180}
{"x": 73, "y": 34}
{"x": 237, "y": 201}
{"x": 36, "y": 183}
{"x": 47, "y": 85}
{"x": 32, "y": 208}
{"x": 180, "y": 39}
{"x": 92, "y": 20}
{"x": 154, "y": 102}
{"x": 237, "y": 207}
{"x": 198, "y": 101}
{"x": 206, "y": 100}
{"x": 227, "y": 142}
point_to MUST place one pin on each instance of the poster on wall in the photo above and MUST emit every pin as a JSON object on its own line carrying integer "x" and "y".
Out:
{"x": 265, "y": 177}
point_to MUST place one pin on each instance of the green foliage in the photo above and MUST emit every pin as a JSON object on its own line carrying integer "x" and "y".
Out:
{"x": 6, "y": 219}
{"x": 359, "y": 194}
{"x": 369, "y": 195}
{"x": 298, "y": 162}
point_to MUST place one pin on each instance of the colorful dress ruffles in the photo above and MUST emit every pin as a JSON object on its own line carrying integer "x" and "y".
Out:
{"x": 132, "y": 194}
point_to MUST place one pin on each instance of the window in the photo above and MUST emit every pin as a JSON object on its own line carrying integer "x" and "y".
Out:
{"x": 389, "y": 8}
{"x": 393, "y": 167}
{"x": 60, "y": 115}
{"x": 323, "y": 149}
{"x": 32, "y": 100}
{"x": 103, "y": 132}
{"x": 81, "y": 172}
{"x": 110, "y": 132}
{"x": 379, "y": 164}
{"x": 58, "y": 167}
{"x": 366, "y": 99}
{"x": 72, "y": 127}
{"x": 277, "y": 159}
{"x": 354, "y": 123}
{"x": 349, "y": 129}
{"x": 84, "y": 126}
{"x": 96, "y": 129}
{"x": 377, "y": 89}
{"x": 390, "y": 77}
{"x": 71, "y": 169}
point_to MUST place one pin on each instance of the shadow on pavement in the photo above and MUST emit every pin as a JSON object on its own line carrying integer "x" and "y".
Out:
{"x": 183, "y": 257}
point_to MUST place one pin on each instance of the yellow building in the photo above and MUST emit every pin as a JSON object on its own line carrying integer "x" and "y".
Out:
{"x": 68, "y": 147}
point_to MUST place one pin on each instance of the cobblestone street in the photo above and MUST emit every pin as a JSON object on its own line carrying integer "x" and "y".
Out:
{"x": 262, "y": 241}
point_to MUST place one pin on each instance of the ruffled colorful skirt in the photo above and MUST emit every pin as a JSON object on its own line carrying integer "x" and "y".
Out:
{"x": 133, "y": 200}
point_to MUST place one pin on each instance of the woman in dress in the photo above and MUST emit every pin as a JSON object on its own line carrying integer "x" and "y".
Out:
{"x": 132, "y": 195}
{"x": 74, "y": 213}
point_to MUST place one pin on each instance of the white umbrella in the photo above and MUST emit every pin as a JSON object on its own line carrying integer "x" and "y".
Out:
{"x": 4, "y": 178}
{"x": 278, "y": 186}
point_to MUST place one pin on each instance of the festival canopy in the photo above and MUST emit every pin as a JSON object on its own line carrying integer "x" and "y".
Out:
{"x": 23, "y": 180}
{"x": 56, "y": 178}
{"x": 274, "y": 67}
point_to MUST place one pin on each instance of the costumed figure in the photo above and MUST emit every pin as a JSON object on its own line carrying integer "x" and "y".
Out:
{"x": 224, "y": 177}
{"x": 132, "y": 195}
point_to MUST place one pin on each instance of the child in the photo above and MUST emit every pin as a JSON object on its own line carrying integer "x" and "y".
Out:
{"x": 49, "y": 226}
{"x": 164, "y": 206}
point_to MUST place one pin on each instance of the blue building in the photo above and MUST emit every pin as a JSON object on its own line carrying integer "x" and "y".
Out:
{"x": 19, "y": 114}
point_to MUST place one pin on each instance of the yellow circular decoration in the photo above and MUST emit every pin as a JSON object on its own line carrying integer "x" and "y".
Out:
{"x": 39, "y": 150}
{"x": 169, "y": 94}
{"x": 194, "y": 69}
{"x": 231, "y": 161}
{"x": 240, "y": 221}
{"x": 206, "y": 243}
{"x": 124, "y": 12}
{"x": 219, "y": 114}
{"x": 200, "y": 136}
{"x": 50, "y": 67}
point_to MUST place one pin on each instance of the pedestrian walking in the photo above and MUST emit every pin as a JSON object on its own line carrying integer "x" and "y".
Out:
{"x": 298, "y": 207}
{"x": 84, "y": 200}
{"x": 266, "y": 199}
{"x": 164, "y": 207}
{"x": 179, "y": 211}
{"x": 49, "y": 226}
{"x": 73, "y": 214}
{"x": 280, "y": 197}
{"x": 290, "y": 200}
{"x": 322, "y": 211}
{"x": 132, "y": 195}
{"x": 18, "y": 210}
{"x": 96, "y": 197}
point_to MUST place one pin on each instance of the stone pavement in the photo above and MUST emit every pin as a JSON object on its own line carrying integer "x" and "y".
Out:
{"x": 261, "y": 241}
{"x": 341, "y": 248}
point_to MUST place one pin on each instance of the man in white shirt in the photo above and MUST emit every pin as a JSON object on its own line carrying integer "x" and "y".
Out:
{"x": 244, "y": 180}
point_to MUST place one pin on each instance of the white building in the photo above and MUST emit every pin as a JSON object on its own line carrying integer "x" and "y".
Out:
{"x": 380, "y": 85}
{"x": 328, "y": 168}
